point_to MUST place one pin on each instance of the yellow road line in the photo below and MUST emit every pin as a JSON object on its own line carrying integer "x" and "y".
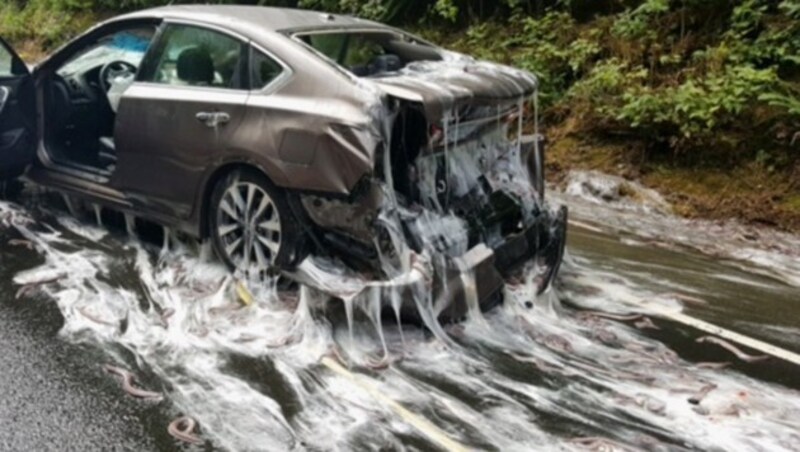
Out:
{"x": 427, "y": 428}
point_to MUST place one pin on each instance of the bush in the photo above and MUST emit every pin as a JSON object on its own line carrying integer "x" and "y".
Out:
{"x": 45, "y": 23}
{"x": 696, "y": 109}
{"x": 685, "y": 72}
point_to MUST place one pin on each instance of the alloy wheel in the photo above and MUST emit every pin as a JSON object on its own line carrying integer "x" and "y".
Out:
{"x": 249, "y": 226}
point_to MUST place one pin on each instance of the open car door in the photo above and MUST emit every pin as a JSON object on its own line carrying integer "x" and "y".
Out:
{"x": 17, "y": 114}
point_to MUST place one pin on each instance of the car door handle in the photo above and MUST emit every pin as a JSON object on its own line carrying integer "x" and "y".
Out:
{"x": 213, "y": 118}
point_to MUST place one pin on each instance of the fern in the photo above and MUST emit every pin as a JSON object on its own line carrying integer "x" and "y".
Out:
{"x": 789, "y": 103}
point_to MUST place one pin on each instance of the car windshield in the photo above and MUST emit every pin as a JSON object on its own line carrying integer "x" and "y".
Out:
{"x": 129, "y": 46}
{"x": 370, "y": 53}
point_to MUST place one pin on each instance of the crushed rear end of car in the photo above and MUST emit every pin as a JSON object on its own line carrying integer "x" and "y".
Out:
{"x": 456, "y": 204}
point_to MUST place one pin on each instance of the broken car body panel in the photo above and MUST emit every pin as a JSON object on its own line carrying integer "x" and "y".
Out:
{"x": 444, "y": 86}
{"x": 411, "y": 153}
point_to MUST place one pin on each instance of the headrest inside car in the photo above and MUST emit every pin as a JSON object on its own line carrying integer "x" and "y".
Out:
{"x": 385, "y": 63}
{"x": 195, "y": 66}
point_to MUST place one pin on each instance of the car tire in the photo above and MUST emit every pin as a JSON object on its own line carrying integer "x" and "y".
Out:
{"x": 251, "y": 224}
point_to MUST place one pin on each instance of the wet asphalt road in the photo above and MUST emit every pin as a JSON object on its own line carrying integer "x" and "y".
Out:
{"x": 55, "y": 395}
{"x": 52, "y": 397}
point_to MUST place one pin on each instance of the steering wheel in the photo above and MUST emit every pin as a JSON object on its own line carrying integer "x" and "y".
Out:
{"x": 115, "y": 69}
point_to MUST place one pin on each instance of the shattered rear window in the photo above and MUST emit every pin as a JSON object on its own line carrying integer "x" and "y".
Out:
{"x": 369, "y": 53}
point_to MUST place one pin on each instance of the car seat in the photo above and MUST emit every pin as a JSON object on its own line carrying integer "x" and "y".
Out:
{"x": 195, "y": 66}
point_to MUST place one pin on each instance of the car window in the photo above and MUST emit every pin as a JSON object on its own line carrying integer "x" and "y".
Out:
{"x": 348, "y": 49}
{"x": 7, "y": 62}
{"x": 195, "y": 56}
{"x": 361, "y": 50}
{"x": 329, "y": 44}
{"x": 128, "y": 45}
{"x": 265, "y": 70}
{"x": 370, "y": 53}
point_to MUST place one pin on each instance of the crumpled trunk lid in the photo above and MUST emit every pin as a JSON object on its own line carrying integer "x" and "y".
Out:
{"x": 455, "y": 82}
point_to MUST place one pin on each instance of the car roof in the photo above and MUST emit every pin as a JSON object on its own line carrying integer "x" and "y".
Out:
{"x": 269, "y": 18}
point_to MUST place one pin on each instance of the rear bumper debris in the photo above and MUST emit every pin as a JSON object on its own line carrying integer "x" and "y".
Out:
{"x": 474, "y": 279}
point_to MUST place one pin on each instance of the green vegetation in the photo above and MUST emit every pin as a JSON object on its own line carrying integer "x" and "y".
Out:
{"x": 698, "y": 98}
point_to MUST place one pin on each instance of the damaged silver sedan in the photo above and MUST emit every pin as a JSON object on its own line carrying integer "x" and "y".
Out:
{"x": 311, "y": 143}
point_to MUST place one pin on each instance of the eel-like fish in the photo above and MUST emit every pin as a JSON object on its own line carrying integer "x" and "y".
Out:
{"x": 733, "y": 349}
{"x": 127, "y": 383}
{"x": 183, "y": 428}
{"x": 712, "y": 365}
{"x": 610, "y": 316}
